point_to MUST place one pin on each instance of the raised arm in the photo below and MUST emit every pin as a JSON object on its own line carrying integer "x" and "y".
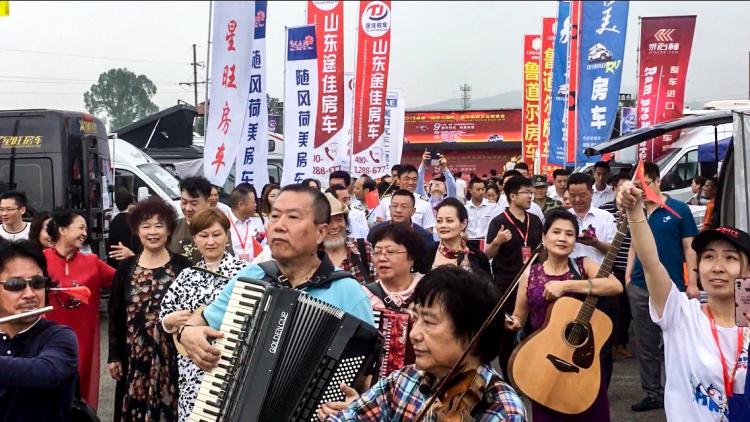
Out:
{"x": 657, "y": 278}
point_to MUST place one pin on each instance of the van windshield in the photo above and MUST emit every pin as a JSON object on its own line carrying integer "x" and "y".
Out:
{"x": 664, "y": 159}
{"x": 163, "y": 179}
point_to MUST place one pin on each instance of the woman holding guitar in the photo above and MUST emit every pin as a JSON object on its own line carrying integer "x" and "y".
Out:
{"x": 558, "y": 276}
{"x": 705, "y": 352}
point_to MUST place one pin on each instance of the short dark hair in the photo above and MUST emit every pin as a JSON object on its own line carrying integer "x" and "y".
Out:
{"x": 36, "y": 227}
{"x": 475, "y": 180}
{"x": 454, "y": 203}
{"x": 467, "y": 300}
{"x": 405, "y": 235}
{"x": 457, "y": 175}
{"x": 60, "y": 219}
{"x": 514, "y": 184}
{"x": 369, "y": 184}
{"x": 602, "y": 165}
{"x": 404, "y": 192}
{"x": 700, "y": 180}
{"x": 493, "y": 173}
{"x": 320, "y": 205}
{"x": 396, "y": 167}
{"x": 341, "y": 174}
{"x": 333, "y": 189}
{"x": 153, "y": 207}
{"x": 559, "y": 172}
{"x": 19, "y": 197}
{"x": 22, "y": 248}
{"x": 511, "y": 173}
{"x": 250, "y": 187}
{"x": 123, "y": 198}
{"x": 494, "y": 187}
{"x": 196, "y": 186}
{"x": 620, "y": 176}
{"x": 581, "y": 178}
{"x": 239, "y": 194}
{"x": 521, "y": 165}
{"x": 309, "y": 180}
{"x": 559, "y": 214}
{"x": 406, "y": 168}
{"x": 651, "y": 170}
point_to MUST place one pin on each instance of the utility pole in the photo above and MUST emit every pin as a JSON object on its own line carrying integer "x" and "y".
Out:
{"x": 195, "y": 82}
{"x": 465, "y": 96}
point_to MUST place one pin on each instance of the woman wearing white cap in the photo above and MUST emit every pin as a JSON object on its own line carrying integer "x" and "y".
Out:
{"x": 705, "y": 352}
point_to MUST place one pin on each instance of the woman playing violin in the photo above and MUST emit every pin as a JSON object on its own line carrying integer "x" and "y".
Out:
{"x": 450, "y": 305}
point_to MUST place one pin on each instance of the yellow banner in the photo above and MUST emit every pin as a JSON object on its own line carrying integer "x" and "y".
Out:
{"x": 4, "y": 8}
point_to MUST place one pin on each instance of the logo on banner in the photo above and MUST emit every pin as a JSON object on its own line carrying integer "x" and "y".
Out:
{"x": 326, "y": 5}
{"x": 664, "y": 34}
{"x": 376, "y": 20}
{"x": 260, "y": 19}
{"x": 306, "y": 44}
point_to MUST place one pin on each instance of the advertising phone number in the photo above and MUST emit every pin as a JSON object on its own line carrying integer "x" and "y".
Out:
{"x": 372, "y": 171}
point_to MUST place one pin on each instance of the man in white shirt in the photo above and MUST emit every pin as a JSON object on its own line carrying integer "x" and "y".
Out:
{"x": 597, "y": 227}
{"x": 460, "y": 187}
{"x": 407, "y": 179}
{"x": 358, "y": 228}
{"x": 245, "y": 224}
{"x": 603, "y": 193}
{"x": 12, "y": 208}
{"x": 560, "y": 183}
{"x": 481, "y": 211}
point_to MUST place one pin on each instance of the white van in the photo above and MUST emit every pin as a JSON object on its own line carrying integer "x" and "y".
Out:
{"x": 134, "y": 169}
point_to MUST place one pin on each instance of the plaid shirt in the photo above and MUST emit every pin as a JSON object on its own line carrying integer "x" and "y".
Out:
{"x": 351, "y": 262}
{"x": 397, "y": 398}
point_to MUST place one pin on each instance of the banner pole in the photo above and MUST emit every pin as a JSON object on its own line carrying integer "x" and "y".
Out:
{"x": 208, "y": 66}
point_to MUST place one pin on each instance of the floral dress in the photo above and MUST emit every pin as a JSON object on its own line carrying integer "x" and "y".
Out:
{"x": 151, "y": 393}
{"x": 193, "y": 288}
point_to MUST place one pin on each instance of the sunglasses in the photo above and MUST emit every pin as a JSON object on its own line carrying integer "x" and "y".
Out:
{"x": 17, "y": 284}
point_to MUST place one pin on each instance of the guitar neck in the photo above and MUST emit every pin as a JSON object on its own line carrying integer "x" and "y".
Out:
{"x": 605, "y": 269}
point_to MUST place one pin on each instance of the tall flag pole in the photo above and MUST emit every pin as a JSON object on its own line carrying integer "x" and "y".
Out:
{"x": 371, "y": 87}
{"x": 665, "y": 47}
{"x": 571, "y": 120}
{"x": 233, "y": 27}
{"x": 252, "y": 158}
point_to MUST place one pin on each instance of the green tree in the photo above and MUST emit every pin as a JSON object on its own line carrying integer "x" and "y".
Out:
{"x": 122, "y": 95}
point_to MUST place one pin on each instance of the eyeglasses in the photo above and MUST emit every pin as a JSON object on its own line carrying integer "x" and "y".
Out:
{"x": 9, "y": 209}
{"x": 525, "y": 192}
{"x": 376, "y": 253}
{"x": 17, "y": 284}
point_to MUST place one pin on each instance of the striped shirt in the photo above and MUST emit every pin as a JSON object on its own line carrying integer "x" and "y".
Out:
{"x": 621, "y": 260}
{"x": 397, "y": 398}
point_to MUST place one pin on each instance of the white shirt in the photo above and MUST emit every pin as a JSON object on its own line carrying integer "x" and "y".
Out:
{"x": 502, "y": 203}
{"x": 461, "y": 190}
{"x": 695, "y": 385}
{"x": 601, "y": 197}
{"x": 358, "y": 228}
{"x": 480, "y": 217}
{"x": 424, "y": 216}
{"x": 223, "y": 207}
{"x": 22, "y": 234}
{"x": 243, "y": 233}
{"x": 603, "y": 224}
{"x": 552, "y": 193}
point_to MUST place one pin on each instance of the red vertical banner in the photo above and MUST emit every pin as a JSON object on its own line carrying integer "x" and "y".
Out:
{"x": 546, "y": 60}
{"x": 371, "y": 80}
{"x": 328, "y": 18}
{"x": 532, "y": 48}
{"x": 572, "y": 119}
{"x": 665, "y": 45}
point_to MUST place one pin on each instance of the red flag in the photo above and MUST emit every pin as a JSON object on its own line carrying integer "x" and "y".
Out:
{"x": 81, "y": 293}
{"x": 371, "y": 199}
{"x": 652, "y": 196}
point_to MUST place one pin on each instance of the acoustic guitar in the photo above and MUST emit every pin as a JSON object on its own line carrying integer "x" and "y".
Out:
{"x": 558, "y": 365}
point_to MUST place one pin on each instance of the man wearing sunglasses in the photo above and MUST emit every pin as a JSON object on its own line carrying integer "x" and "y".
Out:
{"x": 38, "y": 358}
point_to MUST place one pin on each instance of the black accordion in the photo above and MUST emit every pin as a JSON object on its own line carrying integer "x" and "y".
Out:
{"x": 283, "y": 354}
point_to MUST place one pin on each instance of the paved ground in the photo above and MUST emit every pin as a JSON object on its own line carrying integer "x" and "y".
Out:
{"x": 625, "y": 389}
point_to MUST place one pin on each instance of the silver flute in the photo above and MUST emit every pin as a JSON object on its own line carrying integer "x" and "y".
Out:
{"x": 26, "y": 314}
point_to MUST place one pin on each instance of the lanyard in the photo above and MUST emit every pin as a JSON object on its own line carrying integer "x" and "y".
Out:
{"x": 247, "y": 231}
{"x": 728, "y": 380}
{"x": 528, "y": 224}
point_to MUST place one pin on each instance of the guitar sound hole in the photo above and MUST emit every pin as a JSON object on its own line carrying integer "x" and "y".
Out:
{"x": 576, "y": 334}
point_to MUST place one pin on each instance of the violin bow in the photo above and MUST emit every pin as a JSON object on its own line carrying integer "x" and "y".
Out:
{"x": 474, "y": 340}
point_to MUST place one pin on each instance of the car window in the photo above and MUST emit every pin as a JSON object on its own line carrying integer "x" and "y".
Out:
{"x": 34, "y": 177}
{"x": 682, "y": 174}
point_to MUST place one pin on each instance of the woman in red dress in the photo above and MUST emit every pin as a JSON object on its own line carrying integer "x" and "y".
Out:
{"x": 70, "y": 267}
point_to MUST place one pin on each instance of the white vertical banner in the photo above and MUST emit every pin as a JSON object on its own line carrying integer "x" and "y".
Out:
{"x": 233, "y": 26}
{"x": 252, "y": 157}
{"x": 344, "y": 156}
{"x": 393, "y": 136}
{"x": 300, "y": 103}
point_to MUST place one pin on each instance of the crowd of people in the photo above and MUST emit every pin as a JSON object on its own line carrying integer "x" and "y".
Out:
{"x": 442, "y": 249}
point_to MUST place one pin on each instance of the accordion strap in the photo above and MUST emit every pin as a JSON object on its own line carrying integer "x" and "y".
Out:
{"x": 380, "y": 293}
{"x": 273, "y": 275}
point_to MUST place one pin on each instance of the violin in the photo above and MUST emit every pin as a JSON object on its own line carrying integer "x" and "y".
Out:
{"x": 458, "y": 402}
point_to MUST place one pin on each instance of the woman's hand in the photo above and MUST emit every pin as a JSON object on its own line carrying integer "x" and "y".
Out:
{"x": 120, "y": 252}
{"x": 175, "y": 320}
{"x": 554, "y": 290}
{"x": 115, "y": 370}
{"x": 513, "y": 325}
{"x": 332, "y": 408}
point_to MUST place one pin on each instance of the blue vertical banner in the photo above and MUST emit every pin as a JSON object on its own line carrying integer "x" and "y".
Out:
{"x": 603, "y": 29}
{"x": 559, "y": 86}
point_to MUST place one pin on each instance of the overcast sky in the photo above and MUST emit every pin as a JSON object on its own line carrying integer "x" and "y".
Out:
{"x": 51, "y": 52}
